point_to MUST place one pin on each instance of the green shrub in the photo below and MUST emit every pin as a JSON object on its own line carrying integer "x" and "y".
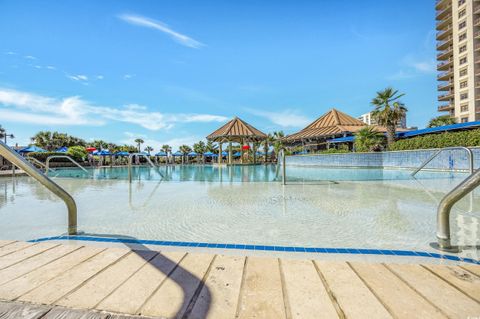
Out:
{"x": 463, "y": 138}
{"x": 78, "y": 153}
{"x": 42, "y": 156}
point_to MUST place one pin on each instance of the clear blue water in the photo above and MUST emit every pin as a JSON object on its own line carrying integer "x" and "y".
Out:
{"x": 247, "y": 173}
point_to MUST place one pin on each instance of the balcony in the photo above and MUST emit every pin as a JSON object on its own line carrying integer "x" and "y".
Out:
{"x": 440, "y": 4}
{"x": 441, "y": 35}
{"x": 442, "y": 24}
{"x": 443, "y": 66}
{"x": 442, "y": 45}
{"x": 477, "y": 84}
{"x": 446, "y": 107}
{"x": 476, "y": 22}
{"x": 443, "y": 13}
{"x": 445, "y": 76}
{"x": 476, "y": 35}
{"x": 445, "y": 55}
{"x": 476, "y": 10}
{"x": 446, "y": 97}
{"x": 445, "y": 86}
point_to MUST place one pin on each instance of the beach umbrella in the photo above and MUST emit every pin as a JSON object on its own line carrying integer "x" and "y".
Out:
{"x": 122, "y": 153}
{"x": 90, "y": 149}
{"x": 237, "y": 154}
{"x": 245, "y": 147}
{"x": 177, "y": 154}
{"x": 62, "y": 149}
{"x": 224, "y": 153}
{"x": 104, "y": 153}
{"x": 208, "y": 154}
{"x": 192, "y": 154}
{"x": 161, "y": 154}
{"x": 31, "y": 149}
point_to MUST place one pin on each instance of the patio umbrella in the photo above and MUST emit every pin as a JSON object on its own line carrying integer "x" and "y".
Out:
{"x": 62, "y": 149}
{"x": 237, "y": 154}
{"x": 177, "y": 154}
{"x": 31, "y": 149}
{"x": 90, "y": 149}
{"x": 123, "y": 153}
{"x": 161, "y": 154}
{"x": 192, "y": 154}
{"x": 104, "y": 153}
{"x": 208, "y": 154}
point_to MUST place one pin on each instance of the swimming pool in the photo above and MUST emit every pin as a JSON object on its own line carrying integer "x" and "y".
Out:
{"x": 338, "y": 208}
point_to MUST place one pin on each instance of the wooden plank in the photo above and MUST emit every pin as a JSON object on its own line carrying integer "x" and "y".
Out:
{"x": 17, "y": 287}
{"x": 5, "y": 250}
{"x": 261, "y": 296}
{"x": 474, "y": 269}
{"x": 13, "y": 310}
{"x": 23, "y": 254}
{"x": 306, "y": 294}
{"x": 65, "y": 283}
{"x": 6, "y": 242}
{"x": 400, "y": 299}
{"x": 219, "y": 295}
{"x": 451, "y": 301}
{"x": 131, "y": 295}
{"x": 175, "y": 294}
{"x": 354, "y": 298}
{"x": 65, "y": 313}
{"x": 460, "y": 278}
{"x": 35, "y": 262}
{"x": 99, "y": 287}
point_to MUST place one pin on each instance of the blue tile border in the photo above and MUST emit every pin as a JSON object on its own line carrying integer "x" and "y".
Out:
{"x": 319, "y": 250}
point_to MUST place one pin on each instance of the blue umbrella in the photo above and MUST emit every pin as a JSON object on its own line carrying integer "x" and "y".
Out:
{"x": 161, "y": 154}
{"x": 62, "y": 149}
{"x": 104, "y": 153}
{"x": 208, "y": 154}
{"x": 224, "y": 153}
{"x": 192, "y": 154}
{"x": 237, "y": 154}
{"x": 123, "y": 153}
{"x": 31, "y": 149}
{"x": 177, "y": 154}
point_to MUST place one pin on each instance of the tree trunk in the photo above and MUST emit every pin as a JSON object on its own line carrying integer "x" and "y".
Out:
{"x": 390, "y": 134}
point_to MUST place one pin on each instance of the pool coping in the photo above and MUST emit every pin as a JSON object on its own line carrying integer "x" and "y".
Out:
{"x": 288, "y": 249}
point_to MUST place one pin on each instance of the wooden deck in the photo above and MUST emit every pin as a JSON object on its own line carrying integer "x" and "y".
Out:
{"x": 49, "y": 280}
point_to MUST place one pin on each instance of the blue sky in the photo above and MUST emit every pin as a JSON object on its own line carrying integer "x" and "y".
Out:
{"x": 173, "y": 71}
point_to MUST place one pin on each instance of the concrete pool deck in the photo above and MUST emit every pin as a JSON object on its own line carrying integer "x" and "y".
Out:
{"x": 51, "y": 279}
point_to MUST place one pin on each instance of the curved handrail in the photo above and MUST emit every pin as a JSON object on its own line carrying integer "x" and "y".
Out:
{"x": 36, "y": 162}
{"x": 446, "y": 204}
{"x": 14, "y": 158}
{"x": 47, "y": 165}
{"x": 130, "y": 157}
{"x": 469, "y": 153}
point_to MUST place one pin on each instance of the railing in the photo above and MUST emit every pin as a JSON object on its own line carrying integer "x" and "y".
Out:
{"x": 31, "y": 159}
{"x": 130, "y": 157}
{"x": 445, "y": 207}
{"x": 282, "y": 160}
{"x": 14, "y": 158}
{"x": 47, "y": 165}
{"x": 466, "y": 149}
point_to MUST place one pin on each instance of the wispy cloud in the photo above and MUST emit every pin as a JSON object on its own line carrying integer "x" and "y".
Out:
{"x": 27, "y": 107}
{"x": 10, "y": 53}
{"x": 175, "y": 143}
{"x": 99, "y": 77}
{"x": 160, "y": 26}
{"x": 284, "y": 118}
{"x": 128, "y": 76}
{"x": 30, "y": 57}
{"x": 50, "y": 67}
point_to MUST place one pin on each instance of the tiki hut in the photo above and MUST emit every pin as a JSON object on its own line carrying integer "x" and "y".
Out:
{"x": 332, "y": 124}
{"x": 235, "y": 131}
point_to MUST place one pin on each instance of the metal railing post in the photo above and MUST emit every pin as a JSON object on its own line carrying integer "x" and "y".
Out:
{"x": 130, "y": 157}
{"x": 466, "y": 149}
{"x": 14, "y": 158}
{"x": 47, "y": 165}
{"x": 446, "y": 204}
{"x": 284, "y": 168}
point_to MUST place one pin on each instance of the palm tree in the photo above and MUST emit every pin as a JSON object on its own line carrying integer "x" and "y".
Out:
{"x": 388, "y": 111}
{"x": 199, "y": 148}
{"x": 441, "y": 121}
{"x": 266, "y": 144}
{"x": 210, "y": 147}
{"x": 166, "y": 148}
{"x": 368, "y": 139}
{"x": 139, "y": 142}
{"x": 148, "y": 149}
{"x": 278, "y": 141}
{"x": 184, "y": 149}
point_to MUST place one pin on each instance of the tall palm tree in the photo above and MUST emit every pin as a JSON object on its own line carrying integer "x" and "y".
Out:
{"x": 441, "y": 120}
{"x": 199, "y": 148}
{"x": 368, "y": 139}
{"x": 266, "y": 144}
{"x": 139, "y": 142}
{"x": 184, "y": 149}
{"x": 278, "y": 140}
{"x": 148, "y": 149}
{"x": 166, "y": 148}
{"x": 388, "y": 111}
{"x": 210, "y": 147}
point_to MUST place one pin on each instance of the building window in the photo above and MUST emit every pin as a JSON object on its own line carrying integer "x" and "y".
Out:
{"x": 462, "y": 25}
{"x": 463, "y": 72}
{"x": 464, "y": 119}
{"x": 460, "y": 2}
{"x": 464, "y": 108}
{"x": 463, "y": 84}
{"x": 462, "y": 36}
{"x": 463, "y": 48}
{"x": 463, "y": 96}
{"x": 463, "y": 60}
{"x": 462, "y": 13}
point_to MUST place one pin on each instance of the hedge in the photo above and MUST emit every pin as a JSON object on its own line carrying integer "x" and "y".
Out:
{"x": 42, "y": 156}
{"x": 463, "y": 138}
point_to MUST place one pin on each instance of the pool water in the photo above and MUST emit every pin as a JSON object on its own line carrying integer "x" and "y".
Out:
{"x": 246, "y": 205}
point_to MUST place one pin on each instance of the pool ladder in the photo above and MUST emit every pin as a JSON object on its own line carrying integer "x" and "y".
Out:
{"x": 17, "y": 160}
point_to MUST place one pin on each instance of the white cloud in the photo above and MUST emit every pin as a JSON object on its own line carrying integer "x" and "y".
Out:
{"x": 32, "y": 108}
{"x": 175, "y": 143}
{"x": 10, "y": 53}
{"x": 99, "y": 77}
{"x": 30, "y": 57}
{"x": 79, "y": 77}
{"x": 51, "y": 67}
{"x": 37, "y": 66}
{"x": 284, "y": 118}
{"x": 157, "y": 25}
{"x": 128, "y": 76}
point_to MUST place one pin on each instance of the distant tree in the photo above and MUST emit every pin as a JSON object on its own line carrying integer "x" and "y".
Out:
{"x": 278, "y": 141}
{"x": 441, "y": 120}
{"x": 200, "y": 148}
{"x": 99, "y": 144}
{"x": 166, "y": 148}
{"x": 148, "y": 149}
{"x": 210, "y": 147}
{"x": 139, "y": 142}
{"x": 184, "y": 149}
{"x": 267, "y": 142}
{"x": 388, "y": 111}
{"x": 368, "y": 139}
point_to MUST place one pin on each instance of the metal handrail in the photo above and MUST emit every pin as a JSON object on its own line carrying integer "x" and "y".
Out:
{"x": 446, "y": 204}
{"x": 37, "y": 162}
{"x": 47, "y": 165}
{"x": 469, "y": 153}
{"x": 281, "y": 155}
{"x": 130, "y": 157}
{"x": 14, "y": 158}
